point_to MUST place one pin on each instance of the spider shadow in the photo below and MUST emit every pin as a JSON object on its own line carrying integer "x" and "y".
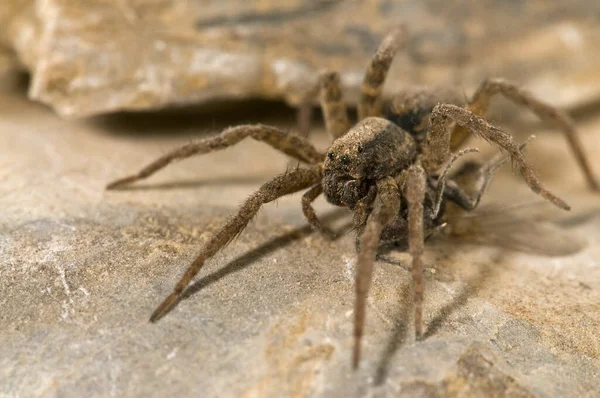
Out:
{"x": 256, "y": 254}
{"x": 398, "y": 337}
{"x": 400, "y": 332}
{"x": 471, "y": 287}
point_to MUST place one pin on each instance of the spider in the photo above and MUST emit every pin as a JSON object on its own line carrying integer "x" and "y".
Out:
{"x": 388, "y": 168}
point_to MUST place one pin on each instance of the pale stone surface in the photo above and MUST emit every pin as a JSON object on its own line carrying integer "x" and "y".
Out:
{"x": 81, "y": 269}
{"x": 98, "y": 56}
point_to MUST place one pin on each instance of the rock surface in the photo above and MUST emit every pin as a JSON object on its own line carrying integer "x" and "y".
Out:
{"x": 97, "y": 56}
{"x": 81, "y": 269}
{"x": 10, "y": 16}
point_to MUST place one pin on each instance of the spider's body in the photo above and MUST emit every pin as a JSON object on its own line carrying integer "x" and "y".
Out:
{"x": 374, "y": 148}
{"x": 389, "y": 170}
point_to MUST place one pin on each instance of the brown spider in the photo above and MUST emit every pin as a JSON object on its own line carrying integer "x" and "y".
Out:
{"x": 385, "y": 168}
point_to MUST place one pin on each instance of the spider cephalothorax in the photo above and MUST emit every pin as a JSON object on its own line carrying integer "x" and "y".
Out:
{"x": 396, "y": 182}
{"x": 372, "y": 149}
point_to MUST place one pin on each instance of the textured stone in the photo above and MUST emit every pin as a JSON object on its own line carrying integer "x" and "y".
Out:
{"x": 97, "y": 56}
{"x": 81, "y": 270}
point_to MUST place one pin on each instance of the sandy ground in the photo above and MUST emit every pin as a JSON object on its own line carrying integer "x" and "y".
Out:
{"x": 81, "y": 269}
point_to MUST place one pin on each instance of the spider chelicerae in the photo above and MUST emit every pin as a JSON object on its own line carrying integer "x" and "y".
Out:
{"x": 391, "y": 168}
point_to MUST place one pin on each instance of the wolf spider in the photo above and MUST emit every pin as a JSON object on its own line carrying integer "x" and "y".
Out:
{"x": 385, "y": 168}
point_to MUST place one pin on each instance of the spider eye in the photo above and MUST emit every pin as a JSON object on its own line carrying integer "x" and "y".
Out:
{"x": 345, "y": 159}
{"x": 360, "y": 148}
{"x": 330, "y": 155}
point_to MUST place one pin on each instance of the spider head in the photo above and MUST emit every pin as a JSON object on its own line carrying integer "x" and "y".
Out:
{"x": 372, "y": 149}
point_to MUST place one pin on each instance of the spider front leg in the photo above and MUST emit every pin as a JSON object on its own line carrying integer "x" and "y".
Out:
{"x": 291, "y": 144}
{"x": 363, "y": 208}
{"x": 414, "y": 190}
{"x": 437, "y": 144}
{"x": 480, "y": 103}
{"x": 281, "y": 185}
{"x": 386, "y": 208}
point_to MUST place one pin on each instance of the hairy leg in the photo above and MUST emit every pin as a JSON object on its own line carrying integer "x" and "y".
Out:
{"x": 333, "y": 106}
{"x": 361, "y": 211}
{"x": 304, "y": 118}
{"x": 386, "y": 208}
{"x": 458, "y": 194}
{"x": 480, "y": 103}
{"x": 289, "y": 143}
{"x": 441, "y": 182}
{"x": 415, "y": 194}
{"x": 370, "y": 102}
{"x": 437, "y": 144}
{"x": 310, "y": 214}
{"x": 281, "y": 185}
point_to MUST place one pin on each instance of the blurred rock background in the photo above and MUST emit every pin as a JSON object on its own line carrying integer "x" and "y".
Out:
{"x": 81, "y": 269}
{"x": 97, "y": 56}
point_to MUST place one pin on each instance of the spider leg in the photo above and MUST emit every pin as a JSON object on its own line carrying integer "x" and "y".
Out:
{"x": 281, "y": 185}
{"x": 458, "y": 195}
{"x": 361, "y": 211}
{"x": 364, "y": 207}
{"x": 437, "y": 144}
{"x": 333, "y": 106}
{"x": 289, "y": 143}
{"x": 310, "y": 214}
{"x": 370, "y": 103}
{"x": 304, "y": 118}
{"x": 305, "y": 109}
{"x": 386, "y": 208}
{"x": 480, "y": 103}
{"x": 415, "y": 194}
{"x": 441, "y": 182}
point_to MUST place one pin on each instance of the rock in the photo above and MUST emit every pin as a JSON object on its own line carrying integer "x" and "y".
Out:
{"x": 97, "y": 56}
{"x": 81, "y": 270}
{"x": 10, "y": 16}
{"x": 8, "y": 62}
